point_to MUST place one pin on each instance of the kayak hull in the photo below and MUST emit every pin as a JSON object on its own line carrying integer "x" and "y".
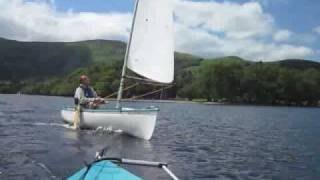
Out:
{"x": 104, "y": 170}
{"x": 136, "y": 122}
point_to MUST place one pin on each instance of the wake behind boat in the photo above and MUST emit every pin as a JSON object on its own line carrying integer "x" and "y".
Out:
{"x": 150, "y": 54}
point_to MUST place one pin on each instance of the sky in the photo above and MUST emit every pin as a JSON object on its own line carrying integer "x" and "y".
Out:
{"x": 258, "y": 30}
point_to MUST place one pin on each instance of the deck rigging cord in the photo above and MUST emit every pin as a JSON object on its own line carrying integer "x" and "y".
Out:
{"x": 127, "y": 88}
{"x": 141, "y": 81}
{"x": 150, "y": 93}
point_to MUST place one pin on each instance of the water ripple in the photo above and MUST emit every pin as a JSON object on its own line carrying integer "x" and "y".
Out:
{"x": 198, "y": 141}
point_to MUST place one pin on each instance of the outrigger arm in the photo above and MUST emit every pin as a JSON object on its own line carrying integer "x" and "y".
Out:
{"x": 164, "y": 166}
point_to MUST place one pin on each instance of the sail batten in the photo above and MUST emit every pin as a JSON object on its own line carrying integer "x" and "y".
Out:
{"x": 151, "y": 51}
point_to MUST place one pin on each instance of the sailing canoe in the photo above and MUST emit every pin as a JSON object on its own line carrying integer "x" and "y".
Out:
{"x": 150, "y": 54}
{"x": 135, "y": 122}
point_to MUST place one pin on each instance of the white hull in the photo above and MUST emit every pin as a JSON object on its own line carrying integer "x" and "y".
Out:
{"x": 136, "y": 122}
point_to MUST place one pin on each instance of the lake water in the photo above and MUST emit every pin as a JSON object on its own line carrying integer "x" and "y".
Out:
{"x": 198, "y": 141}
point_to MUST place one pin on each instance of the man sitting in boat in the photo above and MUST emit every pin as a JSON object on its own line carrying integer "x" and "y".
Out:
{"x": 85, "y": 95}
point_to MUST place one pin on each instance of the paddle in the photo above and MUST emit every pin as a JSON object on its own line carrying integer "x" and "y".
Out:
{"x": 76, "y": 117}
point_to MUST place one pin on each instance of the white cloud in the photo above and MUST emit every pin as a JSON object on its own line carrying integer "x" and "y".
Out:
{"x": 205, "y": 44}
{"x": 235, "y": 20}
{"x": 282, "y": 35}
{"x": 39, "y": 21}
{"x": 205, "y": 28}
{"x": 215, "y": 29}
{"x": 317, "y": 29}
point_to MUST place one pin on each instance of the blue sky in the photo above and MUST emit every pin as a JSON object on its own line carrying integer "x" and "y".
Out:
{"x": 298, "y": 15}
{"x": 253, "y": 29}
{"x": 95, "y": 5}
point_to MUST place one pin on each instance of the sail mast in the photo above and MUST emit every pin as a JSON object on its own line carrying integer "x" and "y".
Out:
{"x": 124, "y": 68}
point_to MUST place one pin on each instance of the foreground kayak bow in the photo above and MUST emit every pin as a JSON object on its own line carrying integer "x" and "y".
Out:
{"x": 105, "y": 168}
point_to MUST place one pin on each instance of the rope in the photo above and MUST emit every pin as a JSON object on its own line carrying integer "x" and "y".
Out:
{"x": 137, "y": 78}
{"x": 146, "y": 81}
{"x": 123, "y": 90}
{"x": 149, "y": 93}
{"x": 136, "y": 97}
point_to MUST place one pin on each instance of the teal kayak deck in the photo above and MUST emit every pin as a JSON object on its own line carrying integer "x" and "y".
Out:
{"x": 104, "y": 170}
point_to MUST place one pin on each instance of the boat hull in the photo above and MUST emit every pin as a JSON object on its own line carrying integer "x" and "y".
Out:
{"x": 136, "y": 122}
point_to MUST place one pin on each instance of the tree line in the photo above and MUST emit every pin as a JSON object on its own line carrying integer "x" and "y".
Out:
{"x": 231, "y": 80}
{"x": 239, "y": 81}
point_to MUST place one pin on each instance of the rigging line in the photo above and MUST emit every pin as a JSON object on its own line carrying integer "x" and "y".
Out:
{"x": 149, "y": 93}
{"x": 157, "y": 84}
{"x": 147, "y": 81}
{"x": 137, "y": 78}
{"x": 129, "y": 87}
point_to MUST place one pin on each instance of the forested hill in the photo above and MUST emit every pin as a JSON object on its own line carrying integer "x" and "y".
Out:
{"x": 41, "y": 60}
{"x": 53, "y": 68}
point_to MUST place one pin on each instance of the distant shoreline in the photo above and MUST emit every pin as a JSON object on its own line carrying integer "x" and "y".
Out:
{"x": 209, "y": 103}
{"x": 178, "y": 101}
{"x": 168, "y": 101}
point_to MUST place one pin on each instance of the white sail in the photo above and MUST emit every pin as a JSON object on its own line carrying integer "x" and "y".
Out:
{"x": 151, "y": 51}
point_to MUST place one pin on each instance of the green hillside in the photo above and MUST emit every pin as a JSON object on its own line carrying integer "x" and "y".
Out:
{"x": 54, "y": 68}
{"x": 40, "y": 60}
{"x": 102, "y": 50}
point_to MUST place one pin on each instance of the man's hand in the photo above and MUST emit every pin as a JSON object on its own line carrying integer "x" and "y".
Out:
{"x": 99, "y": 100}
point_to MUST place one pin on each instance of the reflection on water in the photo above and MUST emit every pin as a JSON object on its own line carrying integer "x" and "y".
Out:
{"x": 198, "y": 141}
